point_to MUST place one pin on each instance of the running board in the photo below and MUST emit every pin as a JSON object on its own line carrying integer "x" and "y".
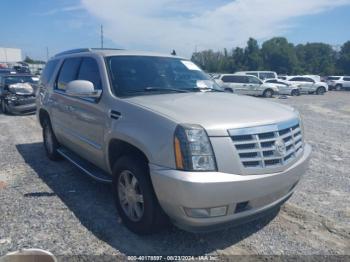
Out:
{"x": 85, "y": 166}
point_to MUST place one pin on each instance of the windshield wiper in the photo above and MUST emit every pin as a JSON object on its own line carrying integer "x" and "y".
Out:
{"x": 156, "y": 89}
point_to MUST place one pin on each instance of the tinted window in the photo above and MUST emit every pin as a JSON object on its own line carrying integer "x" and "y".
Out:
{"x": 346, "y": 78}
{"x": 89, "y": 71}
{"x": 297, "y": 79}
{"x": 272, "y": 81}
{"x": 68, "y": 72}
{"x": 234, "y": 79}
{"x": 306, "y": 79}
{"x": 267, "y": 75}
{"x": 333, "y": 78}
{"x": 48, "y": 71}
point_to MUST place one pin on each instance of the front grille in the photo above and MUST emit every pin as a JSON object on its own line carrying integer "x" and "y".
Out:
{"x": 268, "y": 146}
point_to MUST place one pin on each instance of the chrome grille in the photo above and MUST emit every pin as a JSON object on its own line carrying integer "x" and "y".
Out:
{"x": 268, "y": 146}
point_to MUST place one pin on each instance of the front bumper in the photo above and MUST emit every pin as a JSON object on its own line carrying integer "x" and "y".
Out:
{"x": 177, "y": 190}
{"x": 21, "y": 109}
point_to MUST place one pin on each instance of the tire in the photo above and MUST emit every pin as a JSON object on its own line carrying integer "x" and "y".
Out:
{"x": 321, "y": 90}
{"x": 228, "y": 90}
{"x": 338, "y": 87}
{"x": 134, "y": 196}
{"x": 4, "y": 109}
{"x": 268, "y": 93}
{"x": 295, "y": 93}
{"x": 50, "y": 141}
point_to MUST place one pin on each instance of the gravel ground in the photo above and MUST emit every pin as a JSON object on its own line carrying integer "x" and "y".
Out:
{"x": 53, "y": 206}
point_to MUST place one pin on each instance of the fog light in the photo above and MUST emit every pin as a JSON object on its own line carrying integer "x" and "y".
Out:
{"x": 206, "y": 212}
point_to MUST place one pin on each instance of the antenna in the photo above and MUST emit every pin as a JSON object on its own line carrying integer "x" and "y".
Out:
{"x": 101, "y": 36}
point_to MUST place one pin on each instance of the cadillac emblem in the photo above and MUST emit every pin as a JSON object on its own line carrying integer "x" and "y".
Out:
{"x": 280, "y": 147}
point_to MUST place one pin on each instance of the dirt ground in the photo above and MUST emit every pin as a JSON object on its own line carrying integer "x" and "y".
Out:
{"x": 51, "y": 205}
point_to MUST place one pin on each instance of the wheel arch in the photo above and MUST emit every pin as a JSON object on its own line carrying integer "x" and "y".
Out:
{"x": 118, "y": 147}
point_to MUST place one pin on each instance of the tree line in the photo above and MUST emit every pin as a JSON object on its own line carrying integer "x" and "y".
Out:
{"x": 277, "y": 54}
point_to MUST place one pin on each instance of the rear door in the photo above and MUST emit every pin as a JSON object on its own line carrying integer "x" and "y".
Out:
{"x": 346, "y": 83}
{"x": 302, "y": 83}
{"x": 86, "y": 116}
{"x": 253, "y": 87}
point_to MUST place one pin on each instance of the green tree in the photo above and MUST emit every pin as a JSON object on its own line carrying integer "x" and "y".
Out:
{"x": 252, "y": 55}
{"x": 316, "y": 58}
{"x": 344, "y": 59}
{"x": 279, "y": 55}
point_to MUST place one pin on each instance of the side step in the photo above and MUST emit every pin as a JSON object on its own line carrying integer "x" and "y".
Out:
{"x": 85, "y": 166}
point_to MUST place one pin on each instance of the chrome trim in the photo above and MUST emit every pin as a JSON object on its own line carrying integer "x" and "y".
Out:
{"x": 263, "y": 128}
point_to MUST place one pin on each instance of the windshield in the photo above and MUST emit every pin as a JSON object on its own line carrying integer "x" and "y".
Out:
{"x": 141, "y": 75}
{"x": 9, "y": 80}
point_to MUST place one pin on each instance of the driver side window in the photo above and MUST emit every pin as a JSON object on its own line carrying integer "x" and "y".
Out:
{"x": 253, "y": 80}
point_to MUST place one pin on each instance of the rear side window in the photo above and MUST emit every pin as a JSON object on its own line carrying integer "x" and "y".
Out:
{"x": 346, "y": 78}
{"x": 89, "y": 71}
{"x": 297, "y": 79}
{"x": 333, "y": 78}
{"x": 234, "y": 79}
{"x": 48, "y": 71}
{"x": 68, "y": 72}
{"x": 267, "y": 75}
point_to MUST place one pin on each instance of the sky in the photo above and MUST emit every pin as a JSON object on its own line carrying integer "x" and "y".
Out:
{"x": 36, "y": 26}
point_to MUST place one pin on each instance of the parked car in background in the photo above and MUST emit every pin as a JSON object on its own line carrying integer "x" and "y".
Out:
{"x": 284, "y": 88}
{"x": 262, "y": 75}
{"x": 309, "y": 85}
{"x": 17, "y": 93}
{"x": 338, "y": 82}
{"x": 246, "y": 85}
{"x": 171, "y": 147}
{"x": 5, "y": 71}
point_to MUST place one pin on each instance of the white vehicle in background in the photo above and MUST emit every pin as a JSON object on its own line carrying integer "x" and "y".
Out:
{"x": 284, "y": 87}
{"x": 338, "y": 82}
{"x": 308, "y": 85}
{"x": 246, "y": 85}
{"x": 262, "y": 75}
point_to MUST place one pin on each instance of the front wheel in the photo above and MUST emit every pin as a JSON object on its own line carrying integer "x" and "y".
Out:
{"x": 50, "y": 142}
{"x": 268, "y": 93}
{"x": 134, "y": 196}
{"x": 4, "y": 106}
{"x": 320, "y": 91}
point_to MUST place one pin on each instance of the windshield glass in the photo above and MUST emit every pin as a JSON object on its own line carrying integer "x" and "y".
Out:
{"x": 18, "y": 79}
{"x": 140, "y": 75}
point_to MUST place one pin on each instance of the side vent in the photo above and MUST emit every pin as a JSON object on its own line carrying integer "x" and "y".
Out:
{"x": 115, "y": 114}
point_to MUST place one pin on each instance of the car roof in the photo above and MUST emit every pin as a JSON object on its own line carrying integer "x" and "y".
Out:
{"x": 114, "y": 52}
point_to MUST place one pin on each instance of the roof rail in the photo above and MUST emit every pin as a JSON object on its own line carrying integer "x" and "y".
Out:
{"x": 74, "y": 51}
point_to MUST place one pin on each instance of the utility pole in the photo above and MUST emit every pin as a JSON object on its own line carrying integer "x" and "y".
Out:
{"x": 101, "y": 36}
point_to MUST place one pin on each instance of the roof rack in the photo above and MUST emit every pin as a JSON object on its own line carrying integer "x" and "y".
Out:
{"x": 81, "y": 50}
{"x": 74, "y": 51}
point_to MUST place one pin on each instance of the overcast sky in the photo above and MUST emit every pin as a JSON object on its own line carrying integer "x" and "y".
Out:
{"x": 163, "y": 25}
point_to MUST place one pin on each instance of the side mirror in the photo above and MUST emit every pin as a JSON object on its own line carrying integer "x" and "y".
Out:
{"x": 82, "y": 88}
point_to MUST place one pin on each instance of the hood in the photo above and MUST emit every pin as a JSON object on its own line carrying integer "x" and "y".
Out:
{"x": 216, "y": 112}
{"x": 21, "y": 89}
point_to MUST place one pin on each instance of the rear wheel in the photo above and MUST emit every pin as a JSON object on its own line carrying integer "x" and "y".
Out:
{"x": 228, "y": 90}
{"x": 338, "y": 87}
{"x": 50, "y": 142}
{"x": 135, "y": 199}
{"x": 321, "y": 90}
{"x": 295, "y": 93}
{"x": 268, "y": 93}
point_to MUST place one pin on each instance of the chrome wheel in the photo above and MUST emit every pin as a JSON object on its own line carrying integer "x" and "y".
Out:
{"x": 130, "y": 196}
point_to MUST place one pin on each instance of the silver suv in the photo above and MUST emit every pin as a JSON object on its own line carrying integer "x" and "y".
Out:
{"x": 172, "y": 144}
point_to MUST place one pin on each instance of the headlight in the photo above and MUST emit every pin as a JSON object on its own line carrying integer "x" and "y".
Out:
{"x": 193, "y": 151}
